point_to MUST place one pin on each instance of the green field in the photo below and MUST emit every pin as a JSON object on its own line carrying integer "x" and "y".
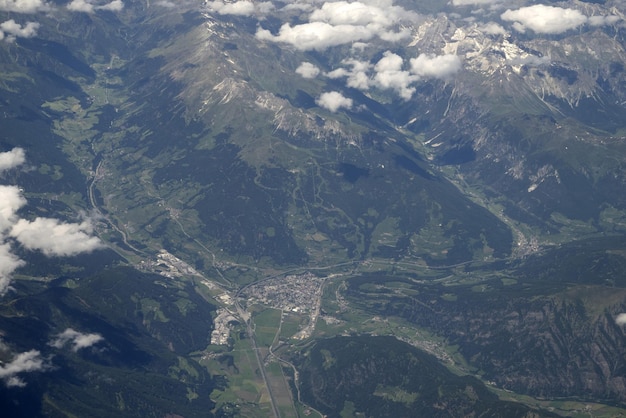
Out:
{"x": 267, "y": 325}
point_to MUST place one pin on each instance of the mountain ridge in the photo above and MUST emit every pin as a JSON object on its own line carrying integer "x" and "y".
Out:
{"x": 452, "y": 174}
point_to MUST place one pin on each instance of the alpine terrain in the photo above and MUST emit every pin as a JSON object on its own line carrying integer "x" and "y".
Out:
{"x": 294, "y": 208}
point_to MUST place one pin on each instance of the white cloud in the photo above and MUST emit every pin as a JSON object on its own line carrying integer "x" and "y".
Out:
{"x": 603, "y": 20}
{"x": 474, "y": 2}
{"x": 620, "y": 319}
{"x": 338, "y": 73}
{"x": 9, "y": 262}
{"x": 265, "y": 7}
{"x": 88, "y": 6}
{"x": 51, "y": 236}
{"x": 389, "y": 75}
{"x": 114, "y": 6}
{"x": 341, "y": 22}
{"x": 27, "y": 362}
{"x": 11, "y": 200}
{"x": 240, "y": 8}
{"x": 333, "y": 101}
{"x": 81, "y": 6}
{"x": 13, "y": 158}
{"x": 77, "y": 339}
{"x": 391, "y": 36}
{"x": 55, "y": 238}
{"x": 544, "y": 19}
{"x": 357, "y": 76}
{"x": 360, "y": 14}
{"x": 435, "y": 66}
{"x": 32, "y": 361}
{"x": 308, "y": 70}
{"x": 358, "y": 80}
{"x": 359, "y": 46}
{"x": 23, "y": 6}
{"x": 492, "y": 28}
{"x": 298, "y": 7}
{"x": 13, "y": 30}
{"x": 316, "y": 35}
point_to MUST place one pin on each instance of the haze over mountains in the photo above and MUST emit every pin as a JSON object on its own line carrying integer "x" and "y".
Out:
{"x": 202, "y": 204}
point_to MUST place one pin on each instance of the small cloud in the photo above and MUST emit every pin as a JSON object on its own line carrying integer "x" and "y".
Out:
{"x": 389, "y": 75}
{"x": 171, "y": 4}
{"x": 27, "y": 362}
{"x": 16, "y": 156}
{"x": 88, "y": 6}
{"x": 80, "y": 6}
{"x": 436, "y": 66}
{"x": 358, "y": 80}
{"x": 23, "y": 6}
{"x": 544, "y": 19}
{"x": 620, "y": 319}
{"x": 55, "y": 238}
{"x": 77, "y": 339}
{"x": 333, "y": 101}
{"x": 603, "y": 20}
{"x": 298, "y": 7}
{"x": 10, "y": 30}
{"x": 474, "y": 2}
{"x": 338, "y": 73}
{"x": 357, "y": 76}
{"x": 359, "y": 46}
{"x": 9, "y": 262}
{"x": 240, "y": 8}
{"x": 492, "y": 28}
{"x": 308, "y": 70}
{"x": 378, "y": 17}
{"x": 114, "y": 6}
{"x": 316, "y": 35}
{"x": 165, "y": 3}
{"x": 11, "y": 200}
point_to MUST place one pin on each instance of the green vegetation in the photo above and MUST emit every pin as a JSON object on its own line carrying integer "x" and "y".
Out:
{"x": 481, "y": 226}
{"x": 267, "y": 325}
{"x": 381, "y": 376}
{"x": 139, "y": 367}
{"x": 239, "y": 370}
{"x": 290, "y": 325}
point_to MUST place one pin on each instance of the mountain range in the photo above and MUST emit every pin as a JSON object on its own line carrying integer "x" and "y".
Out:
{"x": 263, "y": 208}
